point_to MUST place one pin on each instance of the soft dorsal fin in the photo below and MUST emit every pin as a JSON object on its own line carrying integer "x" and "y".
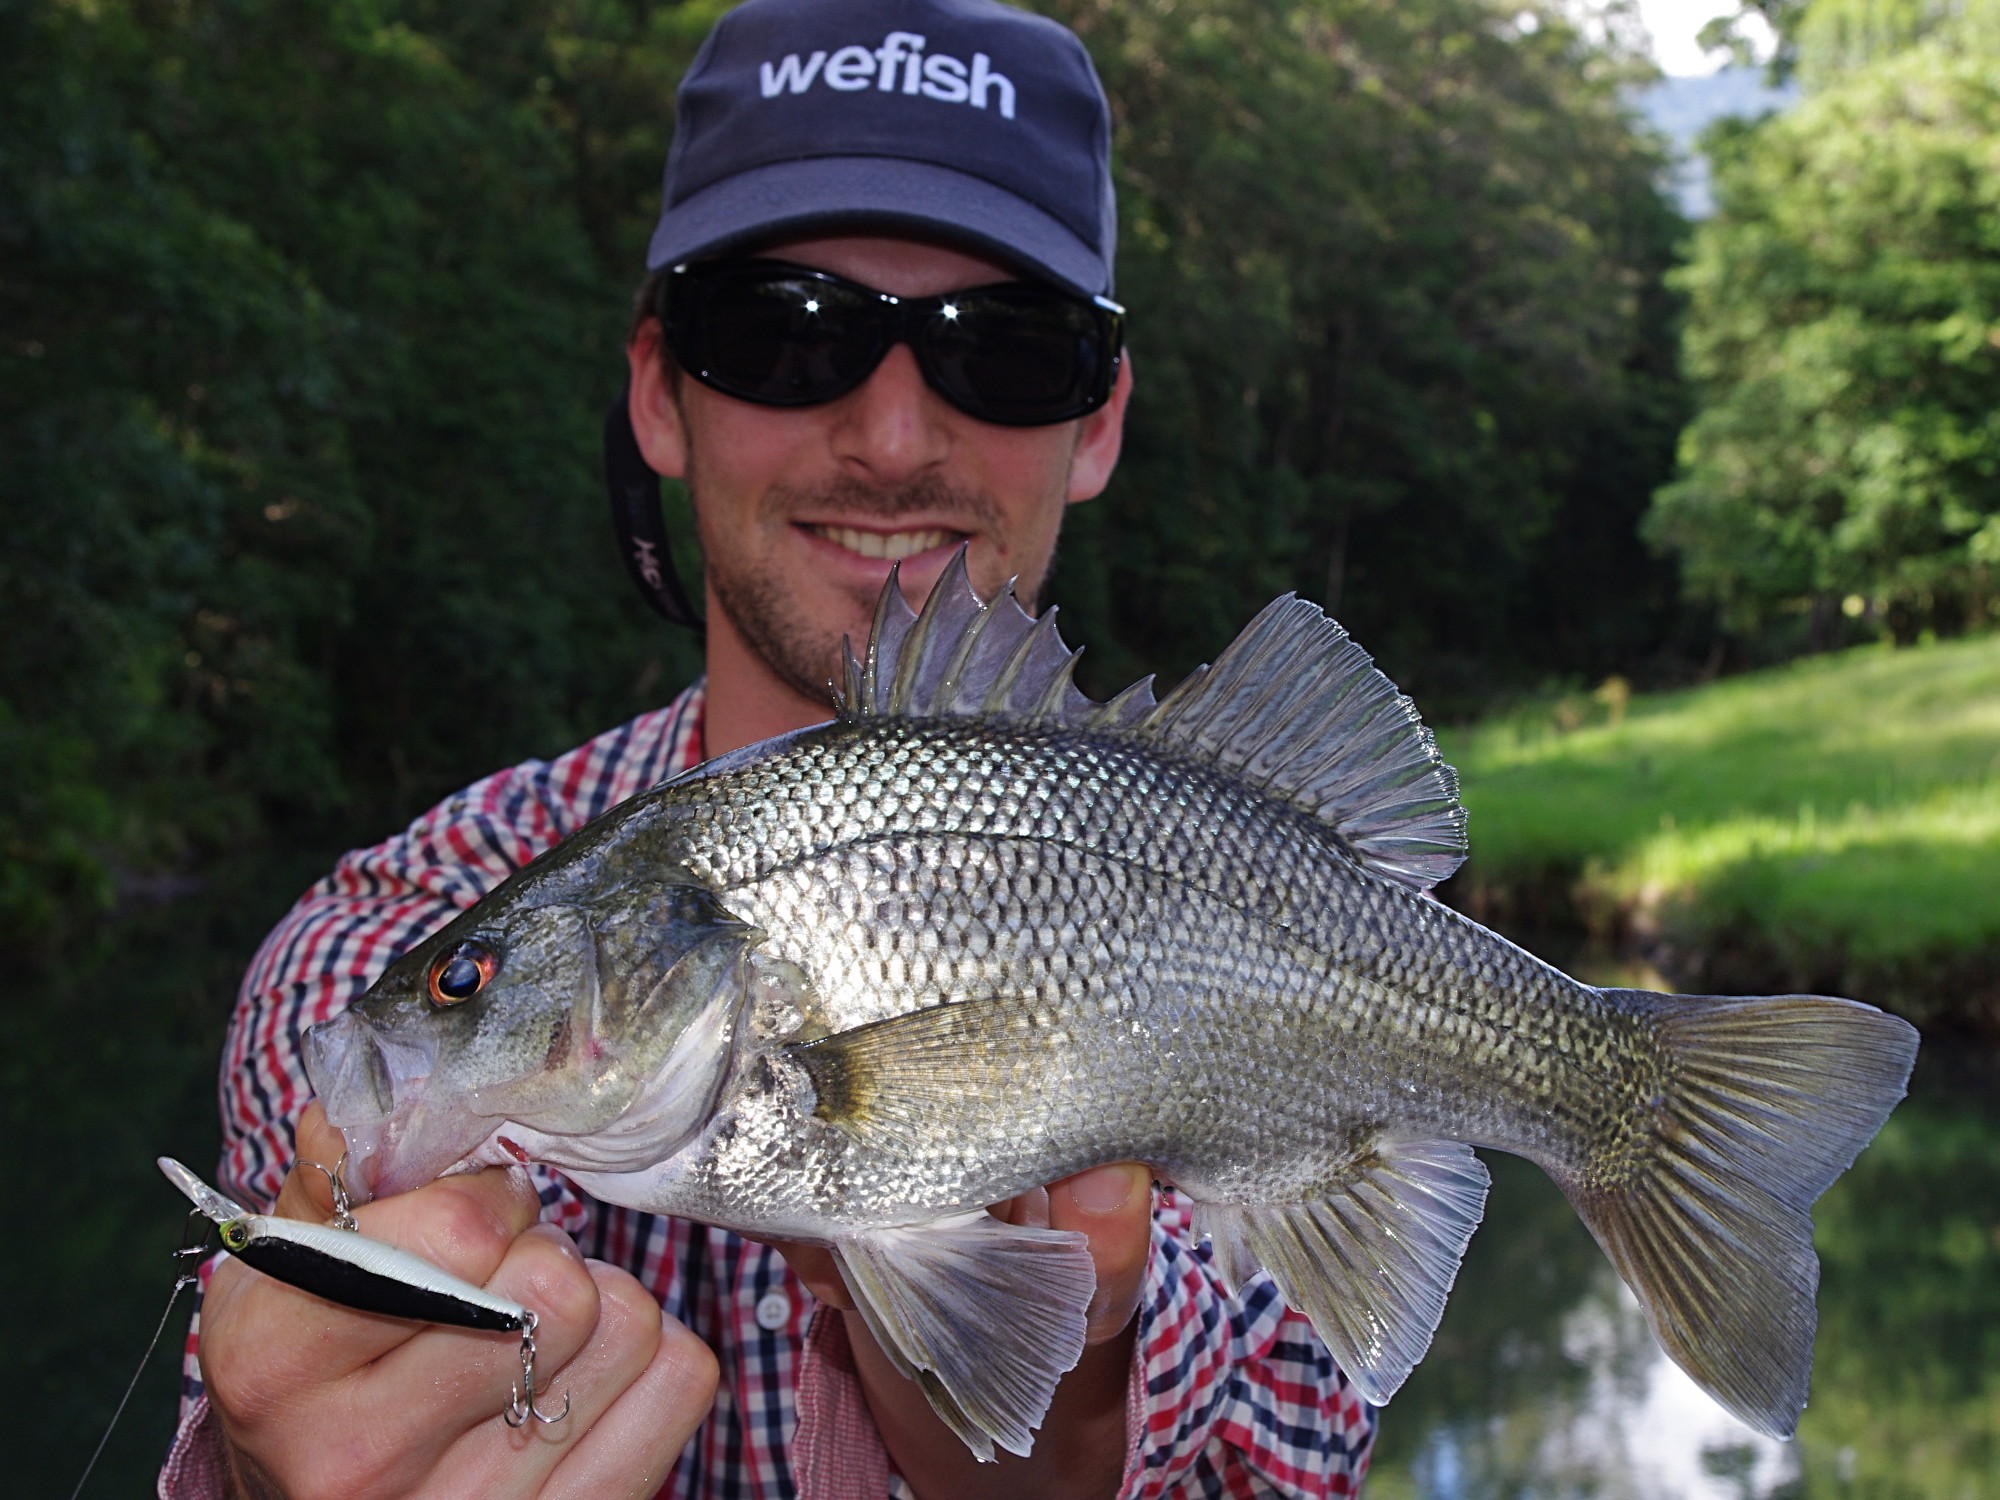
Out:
{"x": 1293, "y": 707}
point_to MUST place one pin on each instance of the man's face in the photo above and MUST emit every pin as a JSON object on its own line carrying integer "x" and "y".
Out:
{"x": 801, "y": 511}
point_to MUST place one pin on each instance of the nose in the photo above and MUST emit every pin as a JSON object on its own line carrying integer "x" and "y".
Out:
{"x": 893, "y": 427}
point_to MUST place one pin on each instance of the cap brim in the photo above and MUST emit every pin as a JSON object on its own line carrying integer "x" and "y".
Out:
{"x": 801, "y": 197}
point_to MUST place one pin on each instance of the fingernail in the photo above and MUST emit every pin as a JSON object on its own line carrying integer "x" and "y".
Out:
{"x": 1103, "y": 1190}
{"x": 556, "y": 1236}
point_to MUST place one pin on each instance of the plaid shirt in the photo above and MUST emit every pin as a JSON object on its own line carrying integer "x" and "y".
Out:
{"x": 1230, "y": 1396}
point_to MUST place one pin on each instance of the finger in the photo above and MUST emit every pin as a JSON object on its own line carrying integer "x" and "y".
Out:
{"x": 290, "y": 1339}
{"x": 1030, "y": 1210}
{"x": 632, "y": 1447}
{"x": 422, "y": 1397}
{"x": 488, "y": 1209}
{"x": 493, "y": 1461}
{"x": 817, "y": 1270}
{"x": 306, "y": 1193}
{"x": 464, "y": 1224}
{"x": 1114, "y": 1206}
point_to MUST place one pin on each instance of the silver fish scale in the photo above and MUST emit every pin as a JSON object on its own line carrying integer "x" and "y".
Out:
{"x": 1179, "y": 969}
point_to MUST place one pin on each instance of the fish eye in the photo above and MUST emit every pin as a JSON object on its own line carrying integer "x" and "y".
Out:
{"x": 462, "y": 973}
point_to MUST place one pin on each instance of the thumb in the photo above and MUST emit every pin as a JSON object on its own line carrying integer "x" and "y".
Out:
{"x": 1113, "y": 1206}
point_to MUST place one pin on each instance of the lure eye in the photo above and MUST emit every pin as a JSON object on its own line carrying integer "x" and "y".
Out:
{"x": 233, "y": 1235}
{"x": 462, "y": 973}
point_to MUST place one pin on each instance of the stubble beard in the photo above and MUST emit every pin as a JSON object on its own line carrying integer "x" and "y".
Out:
{"x": 804, "y": 654}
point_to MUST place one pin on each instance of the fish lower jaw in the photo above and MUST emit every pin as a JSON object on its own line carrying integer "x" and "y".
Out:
{"x": 403, "y": 1152}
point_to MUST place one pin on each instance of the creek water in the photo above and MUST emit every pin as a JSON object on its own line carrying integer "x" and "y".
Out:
{"x": 1543, "y": 1383}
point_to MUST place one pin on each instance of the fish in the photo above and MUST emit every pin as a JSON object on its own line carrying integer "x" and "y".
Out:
{"x": 978, "y": 932}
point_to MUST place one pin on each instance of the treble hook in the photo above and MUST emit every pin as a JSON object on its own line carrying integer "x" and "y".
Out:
{"x": 194, "y": 1245}
{"x": 521, "y": 1401}
{"x": 343, "y": 1206}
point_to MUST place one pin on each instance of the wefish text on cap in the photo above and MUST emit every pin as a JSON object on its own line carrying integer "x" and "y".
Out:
{"x": 897, "y": 65}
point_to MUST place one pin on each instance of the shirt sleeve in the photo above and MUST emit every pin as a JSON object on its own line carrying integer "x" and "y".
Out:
{"x": 1239, "y": 1398}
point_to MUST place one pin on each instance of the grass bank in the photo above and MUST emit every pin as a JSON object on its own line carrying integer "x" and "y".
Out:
{"x": 1830, "y": 825}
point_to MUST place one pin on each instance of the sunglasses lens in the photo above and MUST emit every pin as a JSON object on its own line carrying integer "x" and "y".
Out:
{"x": 1018, "y": 356}
{"x": 777, "y": 339}
{"x": 1014, "y": 354}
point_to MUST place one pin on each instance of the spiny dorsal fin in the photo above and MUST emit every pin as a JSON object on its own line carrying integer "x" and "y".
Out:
{"x": 962, "y": 658}
{"x": 1293, "y": 706}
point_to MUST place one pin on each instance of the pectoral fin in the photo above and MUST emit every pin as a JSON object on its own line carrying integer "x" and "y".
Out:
{"x": 984, "y": 1316}
{"x": 1370, "y": 1263}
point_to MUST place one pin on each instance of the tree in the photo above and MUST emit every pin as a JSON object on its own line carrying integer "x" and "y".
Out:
{"x": 1399, "y": 333}
{"x": 1845, "y": 335}
{"x": 1832, "y": 37}
{"x": 309, "y": 313}
{"x": 306, "y": 329}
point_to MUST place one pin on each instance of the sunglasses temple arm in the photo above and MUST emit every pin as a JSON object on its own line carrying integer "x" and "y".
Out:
{"x": 639, "y": 518}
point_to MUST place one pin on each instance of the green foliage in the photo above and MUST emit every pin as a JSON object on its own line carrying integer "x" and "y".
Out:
{"x": 1835, "y": 36}
{"x": 1399, "y": 337}
{"x": 307, "y": 337}
{"x": 1830, "y": 825}
{"x": 1844, "y": 331}
{"x": 309, "y": 313}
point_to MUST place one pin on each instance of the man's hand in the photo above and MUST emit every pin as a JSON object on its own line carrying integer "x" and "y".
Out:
{"x": 1080, "y": 1449}
{"x": 315, "y": 1400}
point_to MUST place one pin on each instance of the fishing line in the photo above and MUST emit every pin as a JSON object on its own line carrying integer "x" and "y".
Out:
{"x": 187, "y": 1279}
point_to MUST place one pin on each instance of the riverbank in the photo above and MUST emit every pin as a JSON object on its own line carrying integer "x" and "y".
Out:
{"x": 1832, "y": 825}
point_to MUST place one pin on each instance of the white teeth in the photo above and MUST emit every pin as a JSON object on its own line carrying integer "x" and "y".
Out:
{"x": 890, "y": 546}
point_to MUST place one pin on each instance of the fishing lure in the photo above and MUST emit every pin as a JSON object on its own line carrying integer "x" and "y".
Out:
{"x": 336, "y": 1261}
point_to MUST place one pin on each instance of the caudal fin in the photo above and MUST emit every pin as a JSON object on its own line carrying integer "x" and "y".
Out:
{"x": 1708, "y": 1218}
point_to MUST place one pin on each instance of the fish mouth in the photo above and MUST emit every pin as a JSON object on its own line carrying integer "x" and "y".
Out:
{"x": 372, "y": 1088}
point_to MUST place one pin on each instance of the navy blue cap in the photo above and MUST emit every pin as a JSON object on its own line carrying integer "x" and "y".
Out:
{"x": 964, "y": 118}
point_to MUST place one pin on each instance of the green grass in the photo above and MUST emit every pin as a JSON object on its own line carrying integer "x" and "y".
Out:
{"x": 1836, "y": 820}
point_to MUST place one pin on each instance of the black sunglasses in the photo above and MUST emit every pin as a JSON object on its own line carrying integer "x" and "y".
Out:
{"x": 1016, "y": 353}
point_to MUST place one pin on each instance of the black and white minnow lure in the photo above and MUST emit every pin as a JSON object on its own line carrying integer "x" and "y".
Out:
{"x": 336, "y": 1261}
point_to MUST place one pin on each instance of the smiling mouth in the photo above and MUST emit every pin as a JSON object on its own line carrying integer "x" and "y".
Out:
{"x": 886, "y": 545}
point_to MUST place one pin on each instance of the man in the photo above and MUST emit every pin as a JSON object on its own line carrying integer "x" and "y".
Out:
{"x": 841, "y": 171}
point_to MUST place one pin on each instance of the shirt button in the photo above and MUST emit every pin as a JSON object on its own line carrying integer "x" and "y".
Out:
{"x": 774, "y": 1311}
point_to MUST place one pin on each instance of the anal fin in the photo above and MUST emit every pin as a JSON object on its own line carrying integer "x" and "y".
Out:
{"x": 984, "y": 1316}
{"x": 1371, "y": 1262}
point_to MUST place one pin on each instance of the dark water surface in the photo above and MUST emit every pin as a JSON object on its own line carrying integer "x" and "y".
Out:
{"x": 1543, "y": 1383}
{"x": 104, "y": 1066}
